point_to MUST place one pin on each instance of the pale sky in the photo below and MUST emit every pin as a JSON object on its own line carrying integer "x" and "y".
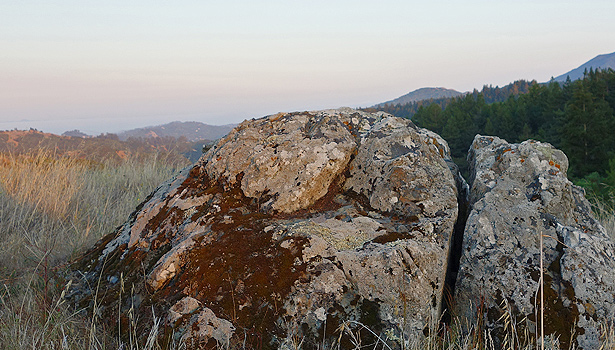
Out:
{"x": 106, "y": 66}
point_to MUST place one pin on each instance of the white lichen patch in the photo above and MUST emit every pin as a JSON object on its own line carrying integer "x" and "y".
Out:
{"x": 185, "y": 306}
{"x": 293, "y": 159}
{"x": 341, "y": 235}
{"x": 206, "y": 325}
{"x": 168, "y": 265}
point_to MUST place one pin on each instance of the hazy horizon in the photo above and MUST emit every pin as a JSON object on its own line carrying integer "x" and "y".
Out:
{"x": 114, "y": 66}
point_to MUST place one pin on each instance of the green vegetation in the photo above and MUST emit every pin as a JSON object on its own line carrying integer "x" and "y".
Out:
{"x": 490, "y": 95}
{"x": 576, "y": 117}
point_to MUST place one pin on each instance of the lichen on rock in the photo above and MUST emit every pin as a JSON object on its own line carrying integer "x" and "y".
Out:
{"x": 518, "y": 193}
{"x": 291, "y": 158}
{"x": 288, "y": 226}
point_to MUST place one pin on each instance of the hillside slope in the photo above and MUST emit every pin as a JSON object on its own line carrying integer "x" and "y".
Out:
{"x": 601, "y": 61}
{"x": 422, "y": 94}
{"x": 193, "y": 131}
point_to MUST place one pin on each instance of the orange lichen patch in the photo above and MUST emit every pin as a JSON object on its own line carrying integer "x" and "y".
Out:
{"x": 522, "y": 160}
{"x": 276, "y": 117}
{"x": 349, "y": 125}
{"x": 197, "y": 184}
{"x": 499, "y": 153}
{"x": 552, "y": 163}
{"x": 435, "y": 142}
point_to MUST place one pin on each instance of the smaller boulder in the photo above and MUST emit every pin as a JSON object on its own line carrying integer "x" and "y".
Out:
{"x": 519, "y": 192}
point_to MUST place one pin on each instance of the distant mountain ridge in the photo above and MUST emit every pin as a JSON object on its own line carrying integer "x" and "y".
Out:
{"x": 422, "y": 94}
{"x": 193, "y": 131}
{"x": 601, "y": 61}
{"x": 604, "y": 61}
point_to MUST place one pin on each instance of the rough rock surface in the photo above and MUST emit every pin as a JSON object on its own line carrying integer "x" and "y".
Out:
{"x": 519, "y": 192}
{"x": 289, "y": 226}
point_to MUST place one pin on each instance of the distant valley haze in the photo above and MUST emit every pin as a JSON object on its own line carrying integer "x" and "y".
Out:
{"x": 115, "y": 66}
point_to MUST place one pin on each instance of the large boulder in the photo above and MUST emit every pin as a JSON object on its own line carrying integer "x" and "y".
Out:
{"x": 288, "y": 227}
{"x": 518, "y": 193}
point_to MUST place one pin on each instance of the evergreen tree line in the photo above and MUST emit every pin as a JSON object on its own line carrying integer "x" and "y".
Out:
{"x": 407, "y": 110}
{"x": 490, "y": 95}
{"x": 576, "y": 117}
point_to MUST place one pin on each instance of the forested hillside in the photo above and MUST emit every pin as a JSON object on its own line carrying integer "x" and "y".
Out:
{"x": 422, "y": 94}
{"x": 490, "y": 94}
{"x": 576, "y": 117}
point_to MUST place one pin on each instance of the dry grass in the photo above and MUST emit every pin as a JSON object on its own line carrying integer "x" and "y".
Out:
{"x": 52, "y": 208}
{"x": 42, "y": 181}
{"x": 605, "y": 213}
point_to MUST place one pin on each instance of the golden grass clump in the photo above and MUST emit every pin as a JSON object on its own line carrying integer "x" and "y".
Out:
{"x": 41, "y": 180}
{"x": 52, "y": 209}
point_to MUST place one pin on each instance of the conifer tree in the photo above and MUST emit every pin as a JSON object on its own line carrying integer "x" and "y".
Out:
{"x": 585, "y": 130}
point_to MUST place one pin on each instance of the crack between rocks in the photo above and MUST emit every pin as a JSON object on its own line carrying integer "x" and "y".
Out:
{"x": 455, "y": 250}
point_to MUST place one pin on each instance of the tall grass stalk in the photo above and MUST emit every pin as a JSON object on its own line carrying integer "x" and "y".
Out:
{"x": 542, "y": 294}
